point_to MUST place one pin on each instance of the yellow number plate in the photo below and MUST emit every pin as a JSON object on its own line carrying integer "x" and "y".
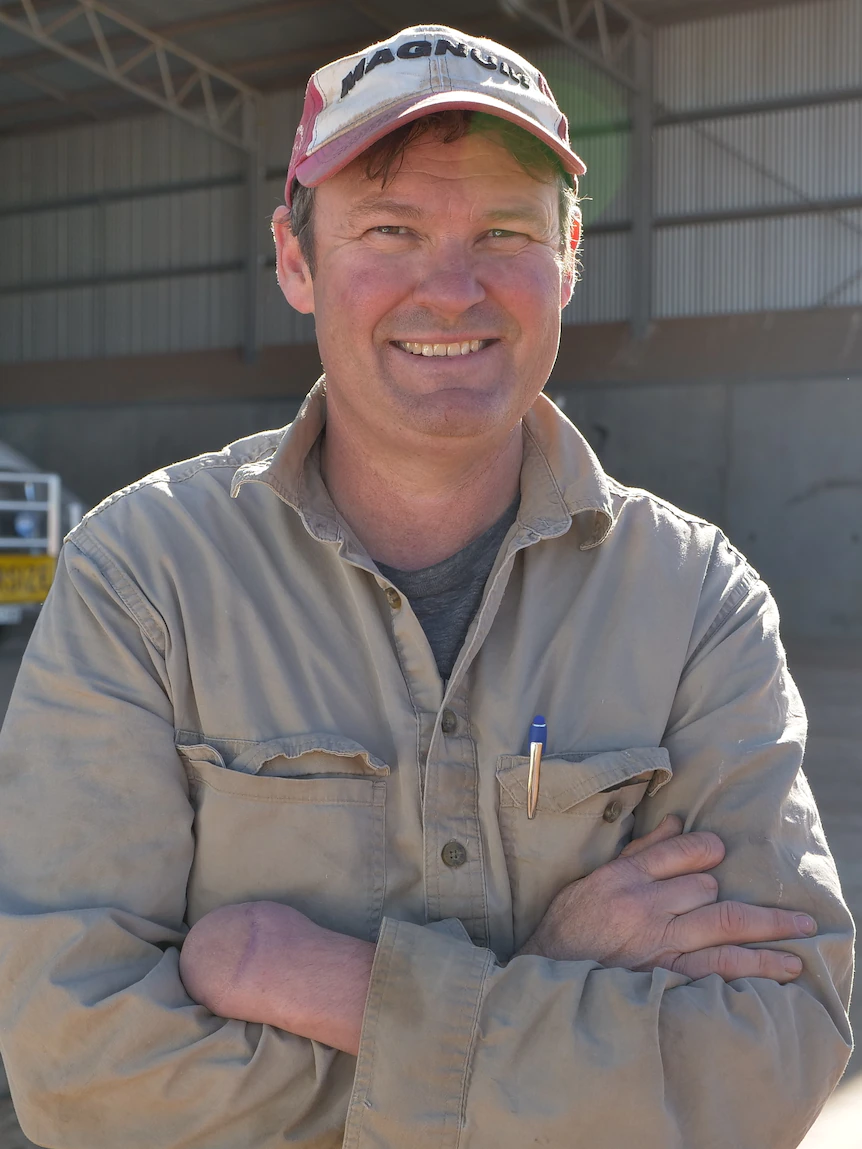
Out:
{"x": 25, "y": 578}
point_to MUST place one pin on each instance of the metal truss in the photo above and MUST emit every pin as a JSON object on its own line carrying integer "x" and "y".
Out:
{"x": 179, "y": 77}
{"x": 602, "y": 32}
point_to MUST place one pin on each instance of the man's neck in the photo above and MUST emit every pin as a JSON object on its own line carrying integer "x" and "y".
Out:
{"x": 413, "y": 510}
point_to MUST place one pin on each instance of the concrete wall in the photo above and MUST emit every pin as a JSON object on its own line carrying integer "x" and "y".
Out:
{"x": 98, "y": 449}
{"x": 777, "y": 465}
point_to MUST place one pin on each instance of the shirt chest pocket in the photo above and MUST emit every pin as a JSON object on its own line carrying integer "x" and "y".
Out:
{"x": 583, "y": 818}
{"x": 298, "y": 820}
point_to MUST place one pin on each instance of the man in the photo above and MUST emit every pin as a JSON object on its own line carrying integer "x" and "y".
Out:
{"x": 297, "y": 721}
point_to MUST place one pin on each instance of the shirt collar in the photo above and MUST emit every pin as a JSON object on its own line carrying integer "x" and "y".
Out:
{"x": 562, "y": 481}
{"x": 293, "y": 469}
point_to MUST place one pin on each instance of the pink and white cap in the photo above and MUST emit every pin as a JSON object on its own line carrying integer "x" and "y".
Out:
{"x": 358, "y": 99}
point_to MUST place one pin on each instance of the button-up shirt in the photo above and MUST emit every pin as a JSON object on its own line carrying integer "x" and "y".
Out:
{"x": 225, "y": 701}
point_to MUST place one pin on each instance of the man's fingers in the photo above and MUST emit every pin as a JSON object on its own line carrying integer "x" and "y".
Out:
{"x": 733, "y": 923}
{"x": 690, "y": 892}
{"x": 681, "y": 854}
{"x": 732, "y": 962}
{"x": 669, "y": 827}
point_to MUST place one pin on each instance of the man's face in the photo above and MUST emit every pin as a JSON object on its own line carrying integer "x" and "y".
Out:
{"x": 437, "y": 298}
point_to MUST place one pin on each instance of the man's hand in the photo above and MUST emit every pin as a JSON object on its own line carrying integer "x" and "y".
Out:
{"x": 265, "y": 962}
{"x": 656, "y": 905}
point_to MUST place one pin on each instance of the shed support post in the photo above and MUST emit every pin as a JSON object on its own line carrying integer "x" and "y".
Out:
{"x": 251, "y": 210}
{"x": 642, "y": 186}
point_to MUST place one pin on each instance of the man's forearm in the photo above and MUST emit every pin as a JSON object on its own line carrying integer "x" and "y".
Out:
{"x": 265, "y": 962}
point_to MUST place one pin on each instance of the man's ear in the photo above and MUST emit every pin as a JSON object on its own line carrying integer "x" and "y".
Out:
{"x": 570, "y": 275}
{"x": 294, "y": 277}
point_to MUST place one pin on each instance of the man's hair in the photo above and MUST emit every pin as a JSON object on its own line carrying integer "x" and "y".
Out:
{"x": 383, "y": 159}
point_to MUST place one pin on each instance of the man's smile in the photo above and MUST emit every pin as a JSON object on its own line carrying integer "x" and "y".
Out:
{"x": 448, "y": 350}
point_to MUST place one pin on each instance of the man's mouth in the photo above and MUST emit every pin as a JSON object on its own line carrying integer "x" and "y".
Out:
{"x": 450, "y": 350}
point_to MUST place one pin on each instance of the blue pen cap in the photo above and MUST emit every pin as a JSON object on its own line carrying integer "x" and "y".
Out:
{"x": 539, "y": 731}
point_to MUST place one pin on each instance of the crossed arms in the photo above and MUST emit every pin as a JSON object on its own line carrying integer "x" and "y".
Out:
{"x": 654, "y": 906}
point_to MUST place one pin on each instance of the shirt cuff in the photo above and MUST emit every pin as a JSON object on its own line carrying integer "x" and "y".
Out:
{"x": 417, "y": 1038}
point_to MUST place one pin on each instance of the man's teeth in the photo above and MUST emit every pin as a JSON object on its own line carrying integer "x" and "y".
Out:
{"x": 445, "y": 348}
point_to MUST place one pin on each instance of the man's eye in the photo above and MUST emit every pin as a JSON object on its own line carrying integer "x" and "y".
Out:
{"x": 390, "y": 229}
{"x": 500, "y": 233}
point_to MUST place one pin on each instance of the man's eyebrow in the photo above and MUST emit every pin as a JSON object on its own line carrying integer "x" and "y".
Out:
{"x": 397, "y": 209}
{"x": 533, "y": 217}
{"x": 392, "y": 207}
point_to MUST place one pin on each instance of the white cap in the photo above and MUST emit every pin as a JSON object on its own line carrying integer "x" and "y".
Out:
{"x": 358, "y": 99}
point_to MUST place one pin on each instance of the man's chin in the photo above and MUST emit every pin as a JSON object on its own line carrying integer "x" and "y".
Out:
{"x": 456, "y": 412}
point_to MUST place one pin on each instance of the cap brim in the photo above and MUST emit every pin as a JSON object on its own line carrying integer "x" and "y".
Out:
{"x": 329, "y": 159}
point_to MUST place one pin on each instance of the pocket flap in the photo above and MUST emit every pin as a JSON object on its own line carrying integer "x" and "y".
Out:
{"x": 567, "y": 779}
{"x": 309, "y": 755}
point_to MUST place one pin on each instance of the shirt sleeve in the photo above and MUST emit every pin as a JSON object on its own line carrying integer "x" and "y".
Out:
{"x": 102, "y": 1045}
{"x": 459, "y": 1051}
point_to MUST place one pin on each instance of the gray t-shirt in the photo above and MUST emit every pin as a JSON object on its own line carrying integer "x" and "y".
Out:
{"x": 446, "y": 596}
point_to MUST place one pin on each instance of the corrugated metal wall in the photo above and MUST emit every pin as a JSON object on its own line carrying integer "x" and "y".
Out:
{"x": 755, "y": 55}
{"x": 107, "y": 256}
{"x": 784, "y": 158}
{"x": 138, "y": 238}
{"x": 787, "y": 159}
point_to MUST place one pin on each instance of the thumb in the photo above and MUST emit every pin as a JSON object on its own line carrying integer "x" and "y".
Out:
{"x": 669, "y": 827}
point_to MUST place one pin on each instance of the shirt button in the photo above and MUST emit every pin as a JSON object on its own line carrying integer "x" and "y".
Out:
{"x": 393, "y": 598}
{"x": 453, "y": 854}
{"x": 448, "y": 722}
{"x": 613, "y": 810}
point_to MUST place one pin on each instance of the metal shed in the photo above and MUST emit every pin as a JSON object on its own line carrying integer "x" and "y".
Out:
{"x": 713, "y": 349}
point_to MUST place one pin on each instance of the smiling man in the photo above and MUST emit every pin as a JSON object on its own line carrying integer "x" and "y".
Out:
{"x": 271, "y": 868}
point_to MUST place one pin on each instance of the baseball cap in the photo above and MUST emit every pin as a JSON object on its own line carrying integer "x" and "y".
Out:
{"x": 355, "y": 101}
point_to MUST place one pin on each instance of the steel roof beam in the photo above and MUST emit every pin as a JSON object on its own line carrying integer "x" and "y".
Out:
{"x": 229, "y": 122}
{"x": 124, "y": 41}
{"x": 736, "y": 214}
{"x": 661, "y": 13}
{"x": 292, "y": 67}
{"x": 107, "y": 279}
{"x": 120, "y": 195}
{"x": 574, "y": 17}
{"x": 95, "y": 100}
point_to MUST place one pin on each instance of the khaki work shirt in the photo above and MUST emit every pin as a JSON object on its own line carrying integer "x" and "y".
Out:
{"x": 224, "y": 700}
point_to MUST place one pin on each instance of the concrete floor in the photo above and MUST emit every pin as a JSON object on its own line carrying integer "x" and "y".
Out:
{"x": 829, "y": 675}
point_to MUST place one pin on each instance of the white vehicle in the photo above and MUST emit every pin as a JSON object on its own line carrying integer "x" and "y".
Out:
{"x": 35, "y": 513}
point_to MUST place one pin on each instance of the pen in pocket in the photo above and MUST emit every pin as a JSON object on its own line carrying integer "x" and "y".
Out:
{"x": 538, "y": 742}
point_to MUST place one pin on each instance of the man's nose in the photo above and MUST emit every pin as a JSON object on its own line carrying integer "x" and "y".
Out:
{"x": 449, "y": 284}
